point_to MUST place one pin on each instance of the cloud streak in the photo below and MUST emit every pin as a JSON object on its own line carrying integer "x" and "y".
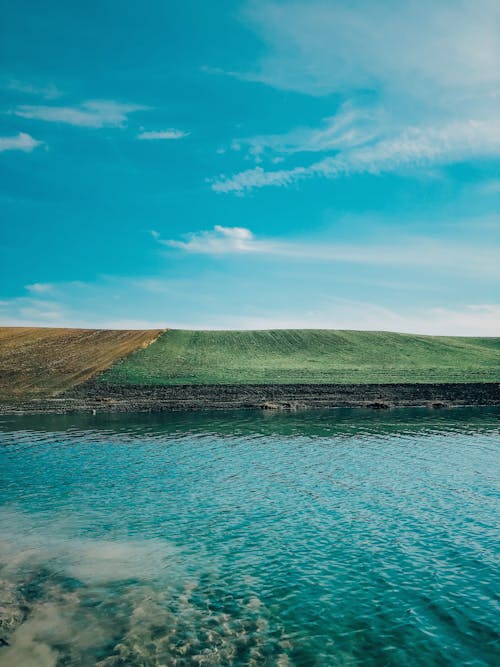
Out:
{"x": 92, "y": 114}
{"x": 162, "y": 134}
{"x": 48, "y": 92}
{"x": 476, "y": 319}
{"x": 409, "y": 252}
{"x": 351, "y": 126}
{"x": 220, "y": 241}
{"x": 40, "y": 288}
{"x": 20, "y": 142}
{"x": 414, "y": 147}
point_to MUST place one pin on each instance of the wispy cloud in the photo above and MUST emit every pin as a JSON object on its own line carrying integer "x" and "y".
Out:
{"x": 93, "y": 113}
{"x": 19, "y": 142}
{"x": 154, "y": 135}
{"x": 30, "y": 311}
{"x": 40, "y": 288}
{"x": 407, "y": 252}
{"x": 220, "y": 241}
{"x": 352, "y": 125}
{"x": 424, "y": 48}
{"x": 239, "y": 307}
{"x": 42, "y": 312}
{"x": 478, "y": 319}
{"x": 413, "y": 147}
{"x": 48, "y": 92}
{"x": 468, "y": 320}
{"x": 43, "y": 304}
{"x": 420, "y": 81}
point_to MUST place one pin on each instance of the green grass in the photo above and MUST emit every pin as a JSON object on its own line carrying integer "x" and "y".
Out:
{"x": 307, "y": 356}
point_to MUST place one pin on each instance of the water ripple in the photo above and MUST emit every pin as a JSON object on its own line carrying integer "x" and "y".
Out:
{"x": 325, "y": 538}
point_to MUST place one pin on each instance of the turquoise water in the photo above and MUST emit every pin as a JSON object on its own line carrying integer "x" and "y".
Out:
{"x": 316, "y": 538}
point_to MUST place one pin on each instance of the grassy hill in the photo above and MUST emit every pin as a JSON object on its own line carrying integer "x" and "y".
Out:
{"x": 307, "y": 356}
{"x": 42, "y": 362}
{"x": 37, "y": 362}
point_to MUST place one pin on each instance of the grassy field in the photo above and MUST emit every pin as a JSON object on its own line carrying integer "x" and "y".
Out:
{"x": 308, "y": 356}
{"x": 38, "y": 362}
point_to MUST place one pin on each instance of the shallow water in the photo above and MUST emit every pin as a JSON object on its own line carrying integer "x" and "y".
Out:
{"x": 340, "y": 537}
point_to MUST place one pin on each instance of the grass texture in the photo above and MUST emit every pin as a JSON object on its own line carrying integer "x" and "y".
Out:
{"x": 307, "y": 356}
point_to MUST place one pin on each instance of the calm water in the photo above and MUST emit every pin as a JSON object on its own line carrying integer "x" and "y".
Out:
{"x": 317, "y": 538}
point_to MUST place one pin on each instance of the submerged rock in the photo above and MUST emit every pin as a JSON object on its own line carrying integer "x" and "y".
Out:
{"x": 12, "y": 610}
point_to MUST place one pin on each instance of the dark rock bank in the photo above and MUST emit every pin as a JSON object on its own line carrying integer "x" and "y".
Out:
{"x": 101, "y": 397}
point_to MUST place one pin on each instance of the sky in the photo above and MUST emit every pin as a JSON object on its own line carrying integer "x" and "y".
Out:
{"x": 251, "y": 164}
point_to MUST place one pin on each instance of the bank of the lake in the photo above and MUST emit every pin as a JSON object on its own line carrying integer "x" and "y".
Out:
{"x": 100, "y": 397}
{"x": 53, "y": 370}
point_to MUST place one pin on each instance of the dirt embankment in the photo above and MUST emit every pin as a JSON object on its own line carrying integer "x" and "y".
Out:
{"x": 100, "y": 397}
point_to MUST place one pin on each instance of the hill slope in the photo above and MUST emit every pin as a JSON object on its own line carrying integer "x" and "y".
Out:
{"x": 307, "y": 356}
{"x": 38, "y": 362}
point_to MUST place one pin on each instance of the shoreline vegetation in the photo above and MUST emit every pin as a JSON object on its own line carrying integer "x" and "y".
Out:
{"x": 45, "y": 370}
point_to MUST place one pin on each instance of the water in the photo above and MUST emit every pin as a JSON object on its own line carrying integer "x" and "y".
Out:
{"x": 317, "y": 538}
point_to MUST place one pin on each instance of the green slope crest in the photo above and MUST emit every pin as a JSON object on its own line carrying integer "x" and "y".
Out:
{"x": 307, "y": 356}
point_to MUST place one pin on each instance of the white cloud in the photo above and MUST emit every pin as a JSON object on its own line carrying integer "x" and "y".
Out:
{"x": 420, "y": 47}
{"x": 414, "y": 147}
{"x": 414, "y": 252}
{"x": 420, "y": 80}
{"x": 221, "y": 240}
{"x": 352, "y": 125}
{"x": 20, "y": 142}
{"x": 93, "y": 113}
{"x": 162, "y": 134}
{"x": 40, "y": 288}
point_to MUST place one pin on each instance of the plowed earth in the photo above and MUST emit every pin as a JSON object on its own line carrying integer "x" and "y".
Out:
{"x": 41, "y": 362}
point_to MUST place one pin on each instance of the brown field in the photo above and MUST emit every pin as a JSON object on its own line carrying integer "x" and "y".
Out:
{"x": 39, "y": 362}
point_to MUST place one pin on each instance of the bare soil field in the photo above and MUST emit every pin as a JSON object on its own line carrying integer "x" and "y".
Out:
{"x": 41, "y": 362}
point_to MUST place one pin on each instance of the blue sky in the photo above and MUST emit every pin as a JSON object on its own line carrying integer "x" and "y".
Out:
{"x": 255, "y": 164}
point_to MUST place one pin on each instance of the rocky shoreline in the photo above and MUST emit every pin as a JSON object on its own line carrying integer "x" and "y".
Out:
{"x": 101, "y": 397}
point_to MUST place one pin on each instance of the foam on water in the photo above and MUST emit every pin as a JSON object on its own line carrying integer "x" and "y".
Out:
{"x": 326, "y": 538}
